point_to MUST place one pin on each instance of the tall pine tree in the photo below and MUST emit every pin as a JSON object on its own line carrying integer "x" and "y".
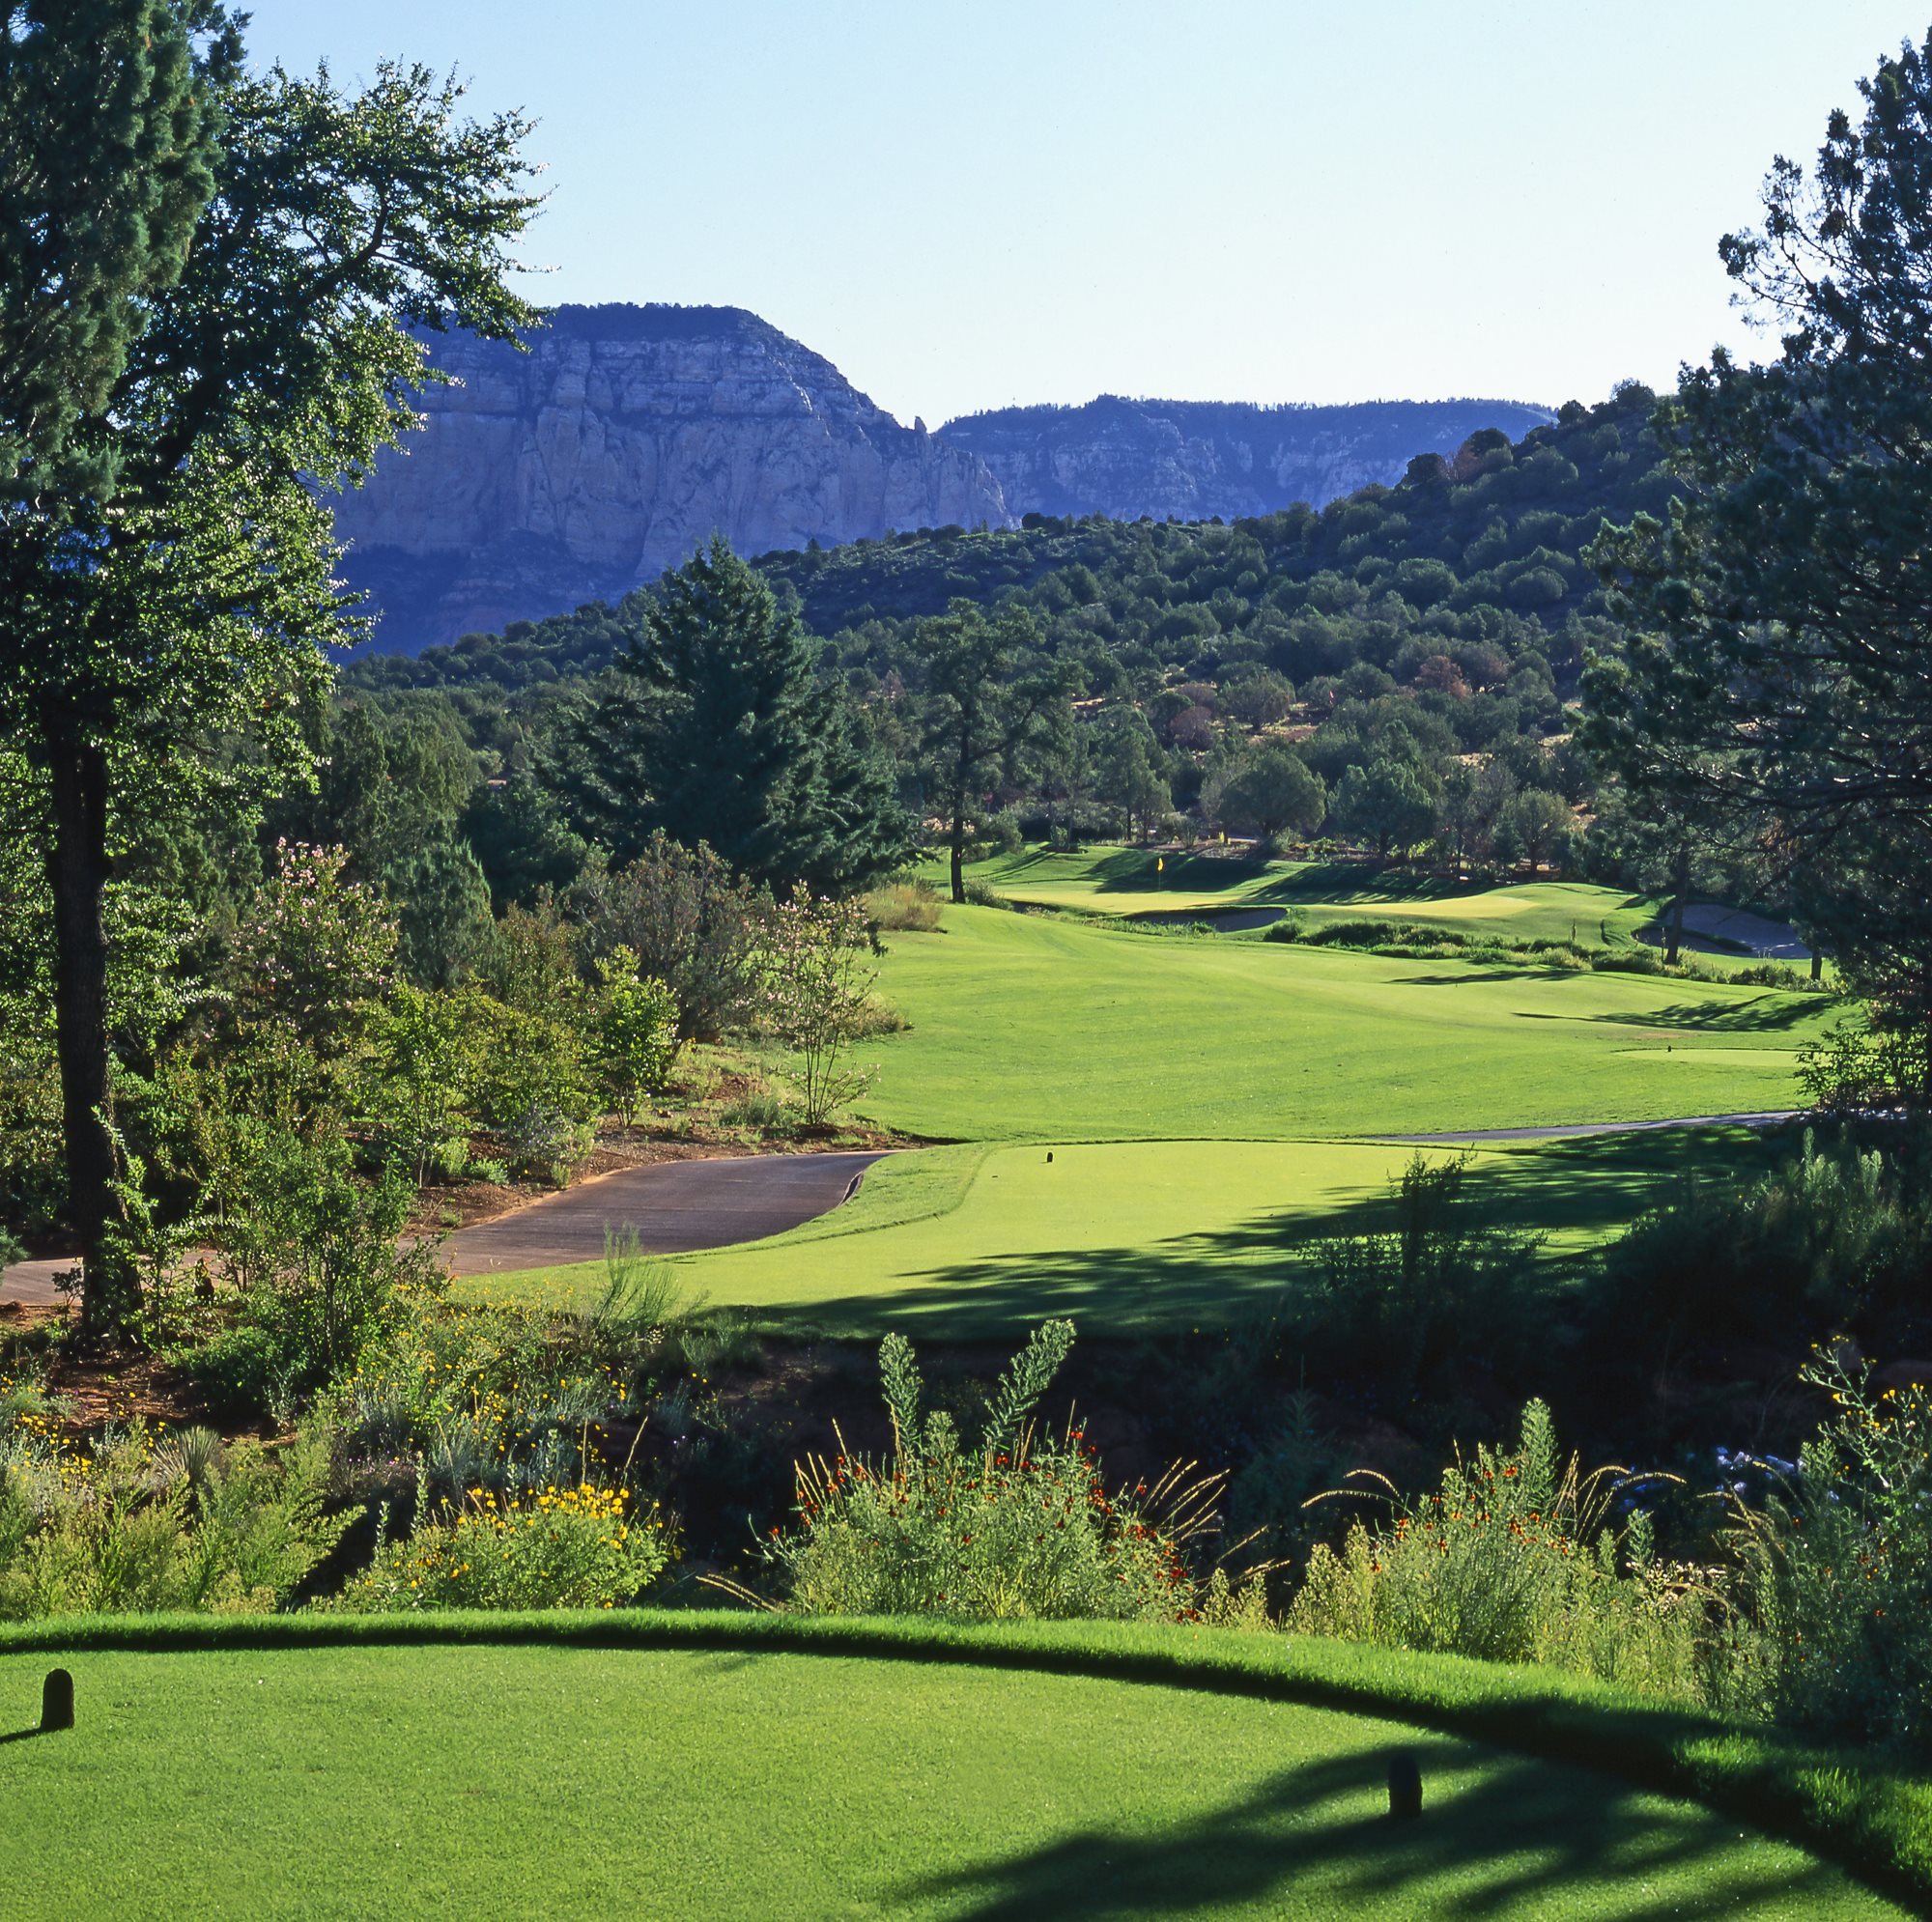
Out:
{"x": 716, "y": 728}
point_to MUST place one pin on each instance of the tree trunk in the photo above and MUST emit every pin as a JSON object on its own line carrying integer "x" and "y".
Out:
{"x": 961, "y": 774}
{"x": 1680, "y": 881}
{"x": 959, "y": 851}
{"x": 78, "y": 870}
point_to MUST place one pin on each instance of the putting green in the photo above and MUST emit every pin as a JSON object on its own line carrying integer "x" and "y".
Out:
{"x": 1124, "y": 1236}
{"x": 542, "y": 1781}
{"x": 1031, "y": 1028}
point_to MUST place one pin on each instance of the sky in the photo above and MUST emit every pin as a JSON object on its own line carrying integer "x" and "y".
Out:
{"x": 1258, "y": 200}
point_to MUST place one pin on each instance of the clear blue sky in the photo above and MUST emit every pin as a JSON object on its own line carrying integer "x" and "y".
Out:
{"x": 1268, "y": 200}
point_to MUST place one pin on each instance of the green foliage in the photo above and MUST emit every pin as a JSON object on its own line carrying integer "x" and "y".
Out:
{"x": 1793, "y": 563}
{"x": 443, "y": 910}
{"x": 987, "y": 699}
{"x": 178, "y": 604}
{"x": 1835, "y": 1237}
{"x": 145, "y": 1521}
{"x": 691, "y": 923}
{"x": 1517, "y": 1558}
{"x": 107, "y": 142}
{"x": 637, "y": 1032}
{"x": 535, "y": 1085}
{"x": 1387, "y": 805}
{"x": 817, "y": 998}
{"x": 426, "y": 1058}
{"x": 1834, "y": 1571}
{"x": 314, "y": 951}
{"x": 574, "y": 1547}
{"x": 1442, "y": 1289}
{"x": 1013, "y": 1527}
{"x": 718, "y": 731}
{"x": 1275, "y": 790}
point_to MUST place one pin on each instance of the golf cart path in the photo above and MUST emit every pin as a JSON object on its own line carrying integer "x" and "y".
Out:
{"x": 674, "y": 1207}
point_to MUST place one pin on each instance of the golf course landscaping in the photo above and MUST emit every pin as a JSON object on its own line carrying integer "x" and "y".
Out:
{"x": 573, "y": 1765}
{"x": 1211, "y": 1103}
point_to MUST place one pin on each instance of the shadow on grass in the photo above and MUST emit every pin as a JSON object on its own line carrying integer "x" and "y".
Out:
{"x": 27, "y": 1734}
{"x": 1768, "y": 1014}
{"x": 1587, "y": 1188}
{"x": 1317, "y": 1840}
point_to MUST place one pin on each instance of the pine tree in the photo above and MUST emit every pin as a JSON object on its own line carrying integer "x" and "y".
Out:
{"x": 719, "y": 730}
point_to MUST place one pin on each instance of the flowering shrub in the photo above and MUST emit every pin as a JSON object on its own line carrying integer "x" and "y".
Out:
{"x": 1836, "y": 1566}
{"x": 1516, "y": 1559}
{"x": 315, "y": 948}
{"x": 145, "y": 1521}
{"x": 999, "y": 1537}
{"x": 567, "y": 1547}
{"x": 480, "y": 1397}
{"x": 1013, "y": 1528}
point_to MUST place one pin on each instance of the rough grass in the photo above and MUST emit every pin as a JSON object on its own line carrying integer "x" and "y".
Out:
{"x": 705, "y": 1763}
{"x": 976, "y": 1242}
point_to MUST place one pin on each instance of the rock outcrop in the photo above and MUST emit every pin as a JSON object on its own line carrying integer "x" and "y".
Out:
{"x": 1196, "y": 459}
{"x": 622, "y": 439}
{"x": 627, "y": 436}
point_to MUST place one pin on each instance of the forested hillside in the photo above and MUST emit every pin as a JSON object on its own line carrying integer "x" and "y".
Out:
{"x": 1411, "y": 648}
{"x": 1478, "y": 559}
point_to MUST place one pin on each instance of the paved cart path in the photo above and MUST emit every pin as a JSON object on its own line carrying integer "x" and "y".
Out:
{"x": 674, "y": 1206}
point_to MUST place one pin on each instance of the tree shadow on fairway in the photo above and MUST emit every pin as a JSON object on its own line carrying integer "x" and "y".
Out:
{"x": 1768, "y": 1014}
{"x": 1317, "y": 1840}
{"x": 1132, "y": 871}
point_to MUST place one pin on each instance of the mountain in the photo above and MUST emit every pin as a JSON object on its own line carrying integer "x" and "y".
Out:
{"x": 1207, "y": 460}
{"x": 626, "y": 436}
{"x": 622, "y": 439}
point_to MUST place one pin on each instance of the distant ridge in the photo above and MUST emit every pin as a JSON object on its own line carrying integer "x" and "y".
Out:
{"x": 1200, "y": 460}
{"x": 628, "y": 434}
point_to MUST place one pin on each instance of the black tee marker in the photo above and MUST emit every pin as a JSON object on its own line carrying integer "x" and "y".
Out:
{"x": 57, "y": 1701}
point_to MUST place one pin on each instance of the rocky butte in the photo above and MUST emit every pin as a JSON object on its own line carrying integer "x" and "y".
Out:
{"x": 622, "y": 438}
{"x": 626, "y": 436}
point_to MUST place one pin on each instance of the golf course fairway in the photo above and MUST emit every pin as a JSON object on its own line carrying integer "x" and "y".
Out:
{"x": 1214, "y": 1104}
{"x": 1026, "y": 1026}
{"x": 515, "y": 1781}
{"x": 1124, "y": 1236}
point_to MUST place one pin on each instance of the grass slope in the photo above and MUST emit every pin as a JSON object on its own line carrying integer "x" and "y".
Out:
{"x": 542, "y": 1778}
{"x": 1024, "y": 1028}
{"x": 1126, "y": 1235}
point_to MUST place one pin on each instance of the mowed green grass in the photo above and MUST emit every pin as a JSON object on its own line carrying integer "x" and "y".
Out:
{"x": 1241, "y": 1085}
{"x": 533, "y": 1781}
{"x": 1135, "y": 1236}
{"x": 1042, "y": 1028}
{"x": 1128, "y": 881}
